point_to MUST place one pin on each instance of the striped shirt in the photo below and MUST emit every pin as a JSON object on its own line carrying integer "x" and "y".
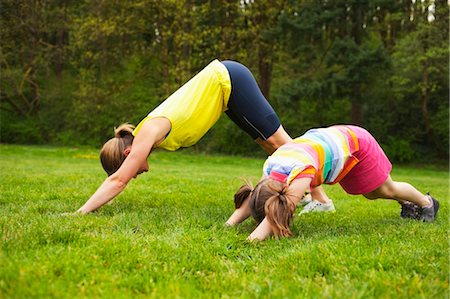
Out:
{"x": 325, "y": 155}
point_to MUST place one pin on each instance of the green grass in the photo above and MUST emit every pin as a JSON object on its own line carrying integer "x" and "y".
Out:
{"x": 164, "y": 236}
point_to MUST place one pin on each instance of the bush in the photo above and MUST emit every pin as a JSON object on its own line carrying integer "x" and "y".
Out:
{"x": 22, "y": 130}
{"x": 399, "y": 150}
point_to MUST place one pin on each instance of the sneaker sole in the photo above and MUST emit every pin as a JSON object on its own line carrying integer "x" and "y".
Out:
{"x": 315, "y": 211}
{"x": 436, "y": 207}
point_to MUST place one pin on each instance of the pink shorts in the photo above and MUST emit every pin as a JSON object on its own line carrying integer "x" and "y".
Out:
{"x": 373, "y": 167}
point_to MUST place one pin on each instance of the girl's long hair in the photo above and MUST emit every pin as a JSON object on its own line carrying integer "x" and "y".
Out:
{"x": 112, "y": 152}
{"x": 279, "y": 209}
{"x": 271, "y": 199}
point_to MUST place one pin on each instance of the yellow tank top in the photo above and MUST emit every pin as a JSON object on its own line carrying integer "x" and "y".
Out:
{"x": 195, "y": 107}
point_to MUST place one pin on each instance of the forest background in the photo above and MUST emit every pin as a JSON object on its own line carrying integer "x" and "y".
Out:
{"x": 72, "y": 70}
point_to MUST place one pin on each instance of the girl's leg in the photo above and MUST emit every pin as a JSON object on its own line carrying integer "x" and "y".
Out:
{"x": 406, "y": 194}
{"x": 319, "y": 202}
{"x": 371, "y": 177}
{"x": 319, "y": 194}
{"x": 400, "y": 192}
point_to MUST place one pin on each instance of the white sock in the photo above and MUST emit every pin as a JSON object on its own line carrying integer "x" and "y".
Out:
{"x": 430, "y": 204}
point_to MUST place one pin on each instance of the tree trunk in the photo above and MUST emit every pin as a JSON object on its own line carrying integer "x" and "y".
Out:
{"x": 424, "y": 99}
{"x": 265, "y": 65}
{"x": 61, "y": 43}
{"x": 356, "y": 115}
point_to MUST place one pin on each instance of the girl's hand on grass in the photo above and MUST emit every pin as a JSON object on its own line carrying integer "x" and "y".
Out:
{"x": 227, "y": 224}
{"x": 70, "y": 214}
{"x": 251, "y": 240}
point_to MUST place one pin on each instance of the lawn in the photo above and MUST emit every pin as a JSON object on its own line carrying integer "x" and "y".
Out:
{"x": 164, "y": 236}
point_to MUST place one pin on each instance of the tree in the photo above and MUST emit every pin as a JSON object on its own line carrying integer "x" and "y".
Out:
{"x": 421, "y": 77}
{"x": 25, "y": 53}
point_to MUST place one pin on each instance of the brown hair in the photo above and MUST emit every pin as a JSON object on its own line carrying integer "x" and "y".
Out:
{"x": 269, "y": 199}
{"x": 111, "y": 154}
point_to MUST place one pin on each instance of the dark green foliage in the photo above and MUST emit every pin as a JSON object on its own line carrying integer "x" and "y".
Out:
{"x": 72, "y": 70}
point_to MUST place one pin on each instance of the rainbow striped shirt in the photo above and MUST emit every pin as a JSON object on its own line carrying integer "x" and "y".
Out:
{"x": 325, "y": 155}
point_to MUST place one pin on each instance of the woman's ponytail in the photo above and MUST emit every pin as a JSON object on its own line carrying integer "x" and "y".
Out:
{"x": 279, "y": 210}
{"x": 123, "y": 131}
{"x": 112, "y": 153}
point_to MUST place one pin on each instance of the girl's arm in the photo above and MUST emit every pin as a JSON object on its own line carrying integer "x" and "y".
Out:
{"x": 243, "y": 212}
{"x": 151, "y": 133}
{"x": 240, "y": 214}
{"x": 296, "y": 189}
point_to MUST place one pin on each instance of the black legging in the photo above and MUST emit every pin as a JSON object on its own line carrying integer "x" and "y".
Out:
{"x": 247, "y": 106}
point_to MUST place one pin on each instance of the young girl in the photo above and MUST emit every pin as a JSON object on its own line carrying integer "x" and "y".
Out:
{"x": 347, "y": 155}
{"x": 183, "y": 118}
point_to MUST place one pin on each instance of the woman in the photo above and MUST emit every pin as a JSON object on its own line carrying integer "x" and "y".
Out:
{"x": 347, "y": 155}
{"x": 183, "y": 118}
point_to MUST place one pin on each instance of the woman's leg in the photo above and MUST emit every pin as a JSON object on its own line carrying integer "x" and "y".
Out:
{"x": 250, "y": 110}
{"x": 277, "y": 139}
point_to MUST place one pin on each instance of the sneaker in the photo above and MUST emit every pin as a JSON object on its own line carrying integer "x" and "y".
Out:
{"x": 410, "y": 210}
{"x": 307, "y": 198}
{"x": 429, "y": 214}
{"x": 317, "y": 206}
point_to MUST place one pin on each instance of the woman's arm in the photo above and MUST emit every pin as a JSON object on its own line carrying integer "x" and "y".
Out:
{"x": 296, "y": 189}
{"x": 151, "y": 133}
{"x": 107, "y": 191}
